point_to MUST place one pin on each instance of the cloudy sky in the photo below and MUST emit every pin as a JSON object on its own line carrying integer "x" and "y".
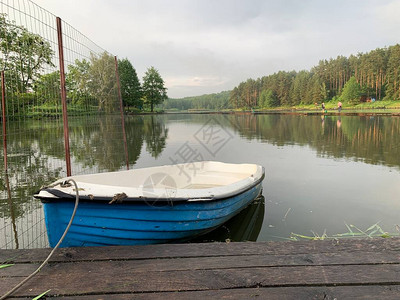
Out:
{"x": 208, "y": 46}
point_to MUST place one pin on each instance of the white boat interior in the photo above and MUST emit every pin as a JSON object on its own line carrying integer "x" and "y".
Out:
{"x": 206, "y": 179}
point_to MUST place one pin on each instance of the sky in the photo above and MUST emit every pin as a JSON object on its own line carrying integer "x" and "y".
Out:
{"x": 208, "y": 46}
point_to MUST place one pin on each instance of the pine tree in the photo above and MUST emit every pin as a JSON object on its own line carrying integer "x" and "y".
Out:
{"x": 154, "y": 91}
{"x": 131, "y": 90}
{"x": 351, "y": 91}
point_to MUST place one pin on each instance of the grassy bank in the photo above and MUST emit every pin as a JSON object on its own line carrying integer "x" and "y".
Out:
{"x": 359, "y": 106}
{"x": 331, "y": 106}
{"x": 386, "y": 107}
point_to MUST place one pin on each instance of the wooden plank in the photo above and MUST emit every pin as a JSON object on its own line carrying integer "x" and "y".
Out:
{"x": 210, "y": 263}
{"x": 200, "y": 250}
{"x": 288, "y": 270}
{"x": 279, "y": 293}
{"x": 121, "y": 280}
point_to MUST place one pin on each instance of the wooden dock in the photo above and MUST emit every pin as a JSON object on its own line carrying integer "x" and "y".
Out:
{"x": 344, "y": 269}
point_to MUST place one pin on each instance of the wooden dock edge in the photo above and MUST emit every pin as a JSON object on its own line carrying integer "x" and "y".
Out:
{"x": 330, "y": 269}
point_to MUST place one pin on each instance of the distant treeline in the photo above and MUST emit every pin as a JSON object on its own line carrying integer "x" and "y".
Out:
{"x": 211, "y": 101}
{"x": 376, "y": 73}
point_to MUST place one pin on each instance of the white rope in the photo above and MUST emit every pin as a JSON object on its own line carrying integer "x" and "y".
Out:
{"x": 54, "y": 249}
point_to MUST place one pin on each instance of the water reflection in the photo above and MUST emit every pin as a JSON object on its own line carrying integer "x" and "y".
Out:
{"x": 245, "y": 226}
{"x": 36, "y": 157}
{"x": 11, "y": 210}
{"x": 96, "y": 142}
{"x": 36, "y": 151}
{"x": 155, "y": 133}
{"x": 367, "y": 138}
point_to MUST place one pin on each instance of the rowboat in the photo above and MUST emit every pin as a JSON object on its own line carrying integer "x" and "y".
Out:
{"x": 152, "y": 205}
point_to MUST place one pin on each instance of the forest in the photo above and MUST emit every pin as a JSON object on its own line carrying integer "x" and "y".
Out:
{"x": 211, "y": 101}
{"x": 374, "y": 75}
{"x": 377, "y": 74}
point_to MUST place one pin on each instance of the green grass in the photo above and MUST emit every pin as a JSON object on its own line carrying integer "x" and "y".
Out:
{"x": 41, "y": 295}
{"x": 332, "y": 105}
{"x": 55, "y": 111}
{"x": 6, "y": 266}
{"x": 378, "y": 105}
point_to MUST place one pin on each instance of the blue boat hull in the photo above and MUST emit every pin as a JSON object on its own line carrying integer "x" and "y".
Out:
{"x": 102, "y": 224}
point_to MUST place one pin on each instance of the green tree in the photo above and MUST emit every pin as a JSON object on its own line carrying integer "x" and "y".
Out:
{"x": 154, "y": 91}
{"x": 234, "y": 97}
{"x": 317, "y": 90}
{"x": 268, "y": 99}
{"x": 24, "y": 55}
{"x": 77, "y": 82}
{"x": 131, "y": 90}
{"x": 47, "y": 88}
{"x": 300, "y": 87}
{"x": 351, "y": 91}
{"x": 393, "y": 71}
{"x": 210, "y": 101}
{"x": 102, "y": 82}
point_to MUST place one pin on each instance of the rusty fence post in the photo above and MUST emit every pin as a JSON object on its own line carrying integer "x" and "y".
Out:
{"x": 7, "y": 181}
{"x": 63, "y": 96}
{"x": 3, "y": 106}
{"x": 121, "y": 107}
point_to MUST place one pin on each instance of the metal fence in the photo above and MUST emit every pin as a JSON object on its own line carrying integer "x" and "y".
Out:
{"x": 48, "y": 66}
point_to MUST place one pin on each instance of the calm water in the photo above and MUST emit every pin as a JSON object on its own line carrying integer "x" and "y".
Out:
{"x": 321, "y": 173}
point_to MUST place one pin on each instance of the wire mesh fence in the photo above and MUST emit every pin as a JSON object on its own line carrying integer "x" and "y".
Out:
{"x": 33, "y": 123}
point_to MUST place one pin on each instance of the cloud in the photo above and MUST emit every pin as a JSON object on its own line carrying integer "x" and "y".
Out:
{"x": 194, "y": 82}
{"x": 200, "y": 46}
{"x": 388, "y": 21}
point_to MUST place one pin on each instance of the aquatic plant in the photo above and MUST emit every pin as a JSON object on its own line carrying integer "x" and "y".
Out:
{"x": 353, "y": 232}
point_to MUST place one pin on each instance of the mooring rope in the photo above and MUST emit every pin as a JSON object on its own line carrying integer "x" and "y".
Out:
{"x": 56, "y": 246}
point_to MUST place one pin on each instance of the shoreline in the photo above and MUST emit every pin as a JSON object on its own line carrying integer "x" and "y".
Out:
{"x": 307, "y": 112}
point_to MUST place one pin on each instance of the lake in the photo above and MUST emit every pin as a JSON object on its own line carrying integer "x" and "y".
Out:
{"x": 324, "y": 174}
